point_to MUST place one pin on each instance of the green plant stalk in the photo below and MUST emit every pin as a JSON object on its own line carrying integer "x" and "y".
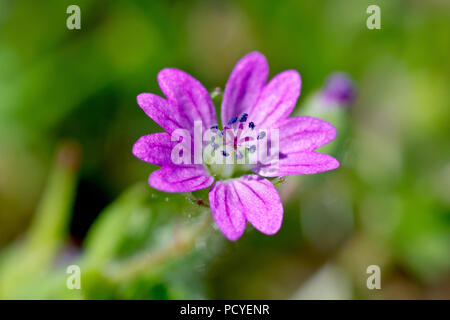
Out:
{"x": 50, "y": 225}
{"x": 48, "y": 230}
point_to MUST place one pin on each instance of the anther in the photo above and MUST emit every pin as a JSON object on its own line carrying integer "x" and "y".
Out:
{"x": 261, "y": 135}
{"x": 214, "y": 127}
{"x": 225, "y": 154}
{"x": 243, "y": 117}
{"x": 252, "y": 149}
{"x": 251, "y": 125}
{"x": 233, "y": 120}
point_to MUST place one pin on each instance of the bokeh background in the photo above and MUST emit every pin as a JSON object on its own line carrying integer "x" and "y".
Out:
{"x": 72, "y": 193}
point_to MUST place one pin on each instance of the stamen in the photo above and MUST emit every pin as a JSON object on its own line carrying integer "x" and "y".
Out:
{"x": 261, "y": 135}
{"x": 225, "y": 154}
{"x": 251, "y": 125}
{"x": 214, "y": 128}
{"x": 233, "y": 120}
{"x": 243, "y": 117}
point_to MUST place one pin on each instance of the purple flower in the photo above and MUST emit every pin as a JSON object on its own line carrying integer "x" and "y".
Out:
{"x": 250, "y": 104}
{"x": 339, "y": 90}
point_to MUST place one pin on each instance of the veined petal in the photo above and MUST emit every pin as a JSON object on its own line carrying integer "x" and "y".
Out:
{"x": 155, "y": 149}
{"x": 227, "y": 210}
{"x": 263, "y": 207}
{"x": 180, "y": 178}
{"x": 277, "y": 100}
{"x": 189, "y": 95}
{"x": 244, "y": 85}
{"x": 164, "y": 113}
{"x": 249, "y": 198}
{"x": 298, "y": 163}
{"x": 301, "y": 134}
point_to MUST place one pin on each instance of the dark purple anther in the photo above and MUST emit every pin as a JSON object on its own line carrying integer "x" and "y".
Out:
{"x": 233, "y": 120}
{"x": 243, "y": 117}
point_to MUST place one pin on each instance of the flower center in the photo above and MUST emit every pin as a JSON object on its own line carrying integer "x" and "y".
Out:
{"x": 232, "y": 151}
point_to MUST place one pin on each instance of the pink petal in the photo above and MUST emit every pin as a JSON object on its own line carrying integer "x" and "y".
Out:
{"x": 180, "y": 179}
{"x": 227, "y": 210}
{"x": 164, "y": 113}
{"x": 263, "y": 207}
{"x": 155, "y": 149}
{"x": 304, "y": 134}
{"x": 244, "y": 85}
{"x": 250, "y": 198}
{"x": 277, "y": 100}
{"x": 189, "y": 95}
{"x": 299, "y": 163}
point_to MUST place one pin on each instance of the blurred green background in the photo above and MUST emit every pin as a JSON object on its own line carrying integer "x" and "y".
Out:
{"x": 69, "y": 118}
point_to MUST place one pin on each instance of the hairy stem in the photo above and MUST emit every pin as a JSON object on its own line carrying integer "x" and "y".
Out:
{"x": 198, "y": 201}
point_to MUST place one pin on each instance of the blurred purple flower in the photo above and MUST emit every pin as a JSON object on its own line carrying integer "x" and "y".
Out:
{"x": 339, "y": 90}
{"x": 248, "y": 102}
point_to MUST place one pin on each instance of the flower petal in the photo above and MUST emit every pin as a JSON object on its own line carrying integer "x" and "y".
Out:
{"x": 180, "y": 179}
{"x": 263, "y": 207}
{"x": 244, "y": 85}
{"x": 277, "y": 100}
{"x": 249, "y": 198}
{"x": 155, "y": 149}
{"x": 189, "y": 95}
{"x": 164, "y": 113}
{"x": 298, "y": 163}
{"x": 304, "y": 134}
{"x": 227, "y": 210}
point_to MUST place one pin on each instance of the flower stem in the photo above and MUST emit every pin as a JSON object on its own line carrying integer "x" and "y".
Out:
{"x": 195, "y": 200}
{"x": 277, "y": 181}
{"x": 183, "y": 241}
